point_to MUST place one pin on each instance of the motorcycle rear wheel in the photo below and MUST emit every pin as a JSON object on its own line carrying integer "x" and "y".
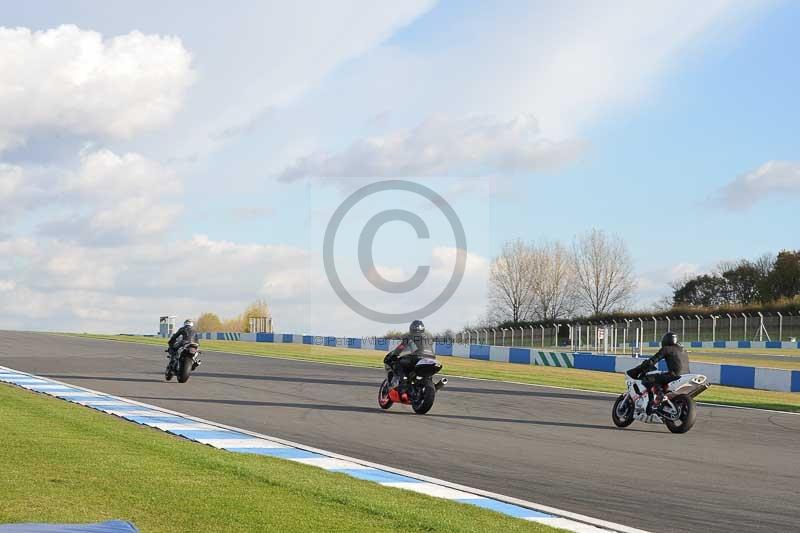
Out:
{"x": 423, "y": 400}
{"x": 184, "y": 369}
{"x": 383, "y": 395}
{"x": 688, "y": 414}
{"x": 622, "y": 416}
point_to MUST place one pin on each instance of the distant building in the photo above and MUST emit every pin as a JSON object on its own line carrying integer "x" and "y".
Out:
{"x": 166, "y": 326}
{"x": 261, "y": 324}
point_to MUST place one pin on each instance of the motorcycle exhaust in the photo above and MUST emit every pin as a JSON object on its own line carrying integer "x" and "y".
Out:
{"x": 440, "y": 384}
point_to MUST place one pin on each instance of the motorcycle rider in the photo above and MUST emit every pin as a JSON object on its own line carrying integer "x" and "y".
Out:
{"x": 677, "y": 364}
{"x": 402, "y": 359}
{"x": 185, "y": 333}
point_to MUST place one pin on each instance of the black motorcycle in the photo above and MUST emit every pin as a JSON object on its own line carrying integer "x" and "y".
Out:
{"x": 416, "y": 388}
{"x": 184, "y": 362}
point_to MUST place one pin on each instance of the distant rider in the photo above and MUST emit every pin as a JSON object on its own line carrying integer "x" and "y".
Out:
{"x": 185, "y": 334}
{"x": 402, "y": 359}
{"x": 677, "y": 364}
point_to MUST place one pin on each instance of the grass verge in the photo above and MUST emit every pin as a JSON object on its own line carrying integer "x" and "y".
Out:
{"x": 66, "y": 463}
{"x": 455, "y": 366}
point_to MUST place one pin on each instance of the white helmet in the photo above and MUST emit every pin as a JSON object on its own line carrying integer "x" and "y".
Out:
{"x": 188, "y": 323}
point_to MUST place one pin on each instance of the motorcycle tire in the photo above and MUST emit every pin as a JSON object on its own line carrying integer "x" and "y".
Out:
{"x": 423, "y": 402}
{"x": 688, "y": 415}
{"x": 184, "y": 369}
{"x": 622, "y": 419}
{"x": 384, "y": 402}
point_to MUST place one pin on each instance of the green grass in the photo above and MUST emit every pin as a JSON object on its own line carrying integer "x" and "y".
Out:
{"x": 66, "y": 463}
{"x": 455, "y": 366}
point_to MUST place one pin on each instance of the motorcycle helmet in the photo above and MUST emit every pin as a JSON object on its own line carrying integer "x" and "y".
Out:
{"x": 416, "y": 328}
{"x": 188, "y": 323}
{"x": 669, "y": 339}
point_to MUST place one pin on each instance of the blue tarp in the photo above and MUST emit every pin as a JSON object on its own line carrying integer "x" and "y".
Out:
{"x": 113, "y": 526}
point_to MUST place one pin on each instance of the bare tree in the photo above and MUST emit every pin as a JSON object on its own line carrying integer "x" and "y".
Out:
{"x": 603, "y": 272}
{"x": 554, "y": 281}
{"x": 511, "y": 283}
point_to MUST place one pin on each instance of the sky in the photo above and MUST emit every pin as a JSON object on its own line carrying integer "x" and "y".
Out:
{"x": 175, "y": 158}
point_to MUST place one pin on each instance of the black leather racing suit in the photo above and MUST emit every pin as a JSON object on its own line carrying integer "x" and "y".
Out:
{"x": 183, "y": 335}
{"x": 402, "y": 359}
{"x": 677, "y": 364}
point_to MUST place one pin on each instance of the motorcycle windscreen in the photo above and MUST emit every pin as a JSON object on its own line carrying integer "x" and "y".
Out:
{"x": 427, "y": 367}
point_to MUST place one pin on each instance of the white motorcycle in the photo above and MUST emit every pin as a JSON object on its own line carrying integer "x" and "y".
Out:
{"x": 673, "y": 404}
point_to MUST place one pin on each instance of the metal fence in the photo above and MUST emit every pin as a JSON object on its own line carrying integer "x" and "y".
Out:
{"x": 726, "y": 327}
{"x": 527, "y": 337}
{"x": 596, "y": 335}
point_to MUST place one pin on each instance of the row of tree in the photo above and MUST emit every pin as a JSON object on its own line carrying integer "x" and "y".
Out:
{"x": 766, "y": 279}
{"x": 547, "y": 281}
{"x": 207, "y": 322}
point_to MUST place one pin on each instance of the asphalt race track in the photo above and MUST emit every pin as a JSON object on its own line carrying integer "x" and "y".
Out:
{"x": 737, "y": 470}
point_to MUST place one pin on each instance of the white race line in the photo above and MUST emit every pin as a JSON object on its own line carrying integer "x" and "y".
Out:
{"x": 167, "y": 426}
{"x": 563, "y": 523}
{"x": 133, "y": 412}
{"x": 329, "y": 463}
{"x": 102, "y": 403}
{"x": 432, "y": 486}
{"x": 224, "y": 444}
{"x": 432, "y": 489}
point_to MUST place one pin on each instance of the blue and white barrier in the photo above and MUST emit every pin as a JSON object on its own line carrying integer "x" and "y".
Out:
{"x": 747, "y": 377}
{"x": 759, "y": 345}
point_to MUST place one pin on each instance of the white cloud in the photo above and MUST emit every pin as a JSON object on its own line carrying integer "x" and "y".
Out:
{"x": 126, "y": 289}
{"x": 772, "y": 179}
{"x": 128, "y": 198}
{"x": 67, "y": 79}
{"x": 106, "y": 199}
{"x": 255, "y": 69}
{"x": 442, "y": 146}
{"x": 251, "y": 213}
{"x": 655, "y": 284}
{"x": 579, "y": 60}
{"x": 25, "y": 189}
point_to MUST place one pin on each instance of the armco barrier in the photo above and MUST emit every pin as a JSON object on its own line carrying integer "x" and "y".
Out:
{"x": 729, "y": 375}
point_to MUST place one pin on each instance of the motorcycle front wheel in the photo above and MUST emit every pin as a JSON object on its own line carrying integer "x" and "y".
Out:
{"x": 622, "y": 412}
{"x": 423, "y": 398}
{"x": 686, "y": 414}
{"x": 383, "y": 395}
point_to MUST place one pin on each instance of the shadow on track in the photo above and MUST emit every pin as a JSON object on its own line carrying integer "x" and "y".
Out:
{"x": 375, "y": 384}
{"x": 539, "y": 394}
{"x": 282, "y": 379}
{"x": 376, "y": 410}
